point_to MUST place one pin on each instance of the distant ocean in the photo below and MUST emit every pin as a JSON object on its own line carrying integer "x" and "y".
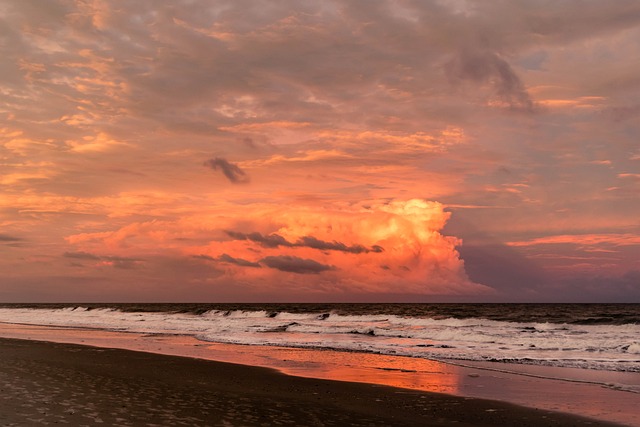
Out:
{"x": 587, "y": 336}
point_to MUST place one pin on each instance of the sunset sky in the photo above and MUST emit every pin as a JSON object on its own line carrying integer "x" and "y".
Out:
{"x": 231, "y": 150}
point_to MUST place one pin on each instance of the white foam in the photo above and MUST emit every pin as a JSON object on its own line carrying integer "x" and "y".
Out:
{"x": 607, "y": 347}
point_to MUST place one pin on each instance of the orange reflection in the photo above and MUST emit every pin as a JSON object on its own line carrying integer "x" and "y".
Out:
{"x": 395, "y": 371}
{"x": 580, "y": 397}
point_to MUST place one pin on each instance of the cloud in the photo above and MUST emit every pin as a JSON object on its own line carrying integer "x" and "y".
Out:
{"x": 503, "y": 268}
{"x": 292, "y": 264}
{"x": 237, "y": 261}
{"x": 623, "y": 113}
{"x": 603, "y": 288}
{"x": 99, "y": 143}
{"x": 226, "y": 258}
{"x": 315, "y": 243}
{"x": 9, "y": 238}
{"x": 341, "y": 113}
{"x": 275, "y": 240}
{"x": 233, "y": 172}
{"x": 109, "y": 261}
{"x": 81, "y": 255}
{"x": 614, "y": 239}
{"x": 270, "y": 241}
{"x": 489, "y": 68}
{"x": 121, "y": 262}
{"x": 205, "y": 257}
{"x": 346, "y": 240}
{"x": 416, "y": 257}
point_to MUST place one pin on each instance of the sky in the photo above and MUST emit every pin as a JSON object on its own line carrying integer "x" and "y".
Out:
{"x": 248, "y": 151}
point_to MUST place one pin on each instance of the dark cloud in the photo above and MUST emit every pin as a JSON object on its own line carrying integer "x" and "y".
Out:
{"x": 115, "y": 261}
{"x": 294, "y": 264}
{"x": 205, "y": 257}
{"x": 8, "y": 238}
{"x": 122, "y": 262}
{"x": 314, "y": 243}
{"x": 503, "y": 268}
{"x": 270, "y": 241}
{"x": 249, "y": 142}
{"x": 275, "y": 240}
{"x": 493, "y": 263}
{"x": 489, "y": 68}
{"x": 233, "y": 173}
{"x": 229, "y": 260}
{"x": 601, "y": 288}
{"x": 623, "y": 113}
{"x": 81, "y": 255}
{"x": 237, "y": 261}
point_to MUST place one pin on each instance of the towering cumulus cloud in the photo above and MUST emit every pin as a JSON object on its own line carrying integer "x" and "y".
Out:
{"x": 308, "y": 251}
{"x": 394, "y": 247}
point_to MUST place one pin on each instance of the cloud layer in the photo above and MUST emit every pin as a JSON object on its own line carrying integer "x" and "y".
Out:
{"x": 126, "y": 130}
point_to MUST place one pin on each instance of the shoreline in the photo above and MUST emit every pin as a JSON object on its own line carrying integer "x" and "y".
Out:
{"x": 419, "y": 375}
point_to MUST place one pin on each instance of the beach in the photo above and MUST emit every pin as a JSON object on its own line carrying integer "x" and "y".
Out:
{"x": 51, "y": 383}
{"x": 281, "y": 212}
{"x": 135, "y": 379}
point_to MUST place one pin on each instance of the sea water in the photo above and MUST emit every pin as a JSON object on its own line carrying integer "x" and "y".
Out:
{"x": 588, "y": 336}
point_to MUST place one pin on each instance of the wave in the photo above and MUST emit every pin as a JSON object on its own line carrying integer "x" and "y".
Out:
{"x": 575, "y": 314}
{"x": 587, "y": 346}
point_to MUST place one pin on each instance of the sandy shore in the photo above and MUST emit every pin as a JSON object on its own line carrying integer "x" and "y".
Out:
{"x": 587, "y": 393}
{"x": 46, "y": 383}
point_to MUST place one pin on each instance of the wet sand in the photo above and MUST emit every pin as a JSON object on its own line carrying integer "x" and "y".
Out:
{"x": 587, "y": 393}
{"x": 48, "y": 383}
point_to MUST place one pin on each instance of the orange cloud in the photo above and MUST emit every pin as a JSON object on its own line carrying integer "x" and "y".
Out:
{"x": 624, "y": 239}
{"x": 629, "y": 175}
{"x": 582, "y": 102}
{"x": 95, "y": 144}
{"x": 391, "y": 247}
{"x": 265, "y": 126}
{"x": 421, "y": 141}
{"x": 13, "y": 178}
{"x": 19, "y": 144}
{"x": 301, "y": 156}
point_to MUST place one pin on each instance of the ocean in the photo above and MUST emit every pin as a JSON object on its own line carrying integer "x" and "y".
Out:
{"x": 587, "y": 336}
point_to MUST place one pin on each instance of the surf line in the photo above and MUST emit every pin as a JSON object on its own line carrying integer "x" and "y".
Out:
{"x": 543, "y": 377}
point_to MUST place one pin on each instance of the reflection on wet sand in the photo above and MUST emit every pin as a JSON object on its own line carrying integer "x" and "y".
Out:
{"x": 419, "y": 374}
{"x": 395, "y": 371}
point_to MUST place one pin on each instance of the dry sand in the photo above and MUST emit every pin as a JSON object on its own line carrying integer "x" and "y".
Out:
{"x": 49, "y": 383}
